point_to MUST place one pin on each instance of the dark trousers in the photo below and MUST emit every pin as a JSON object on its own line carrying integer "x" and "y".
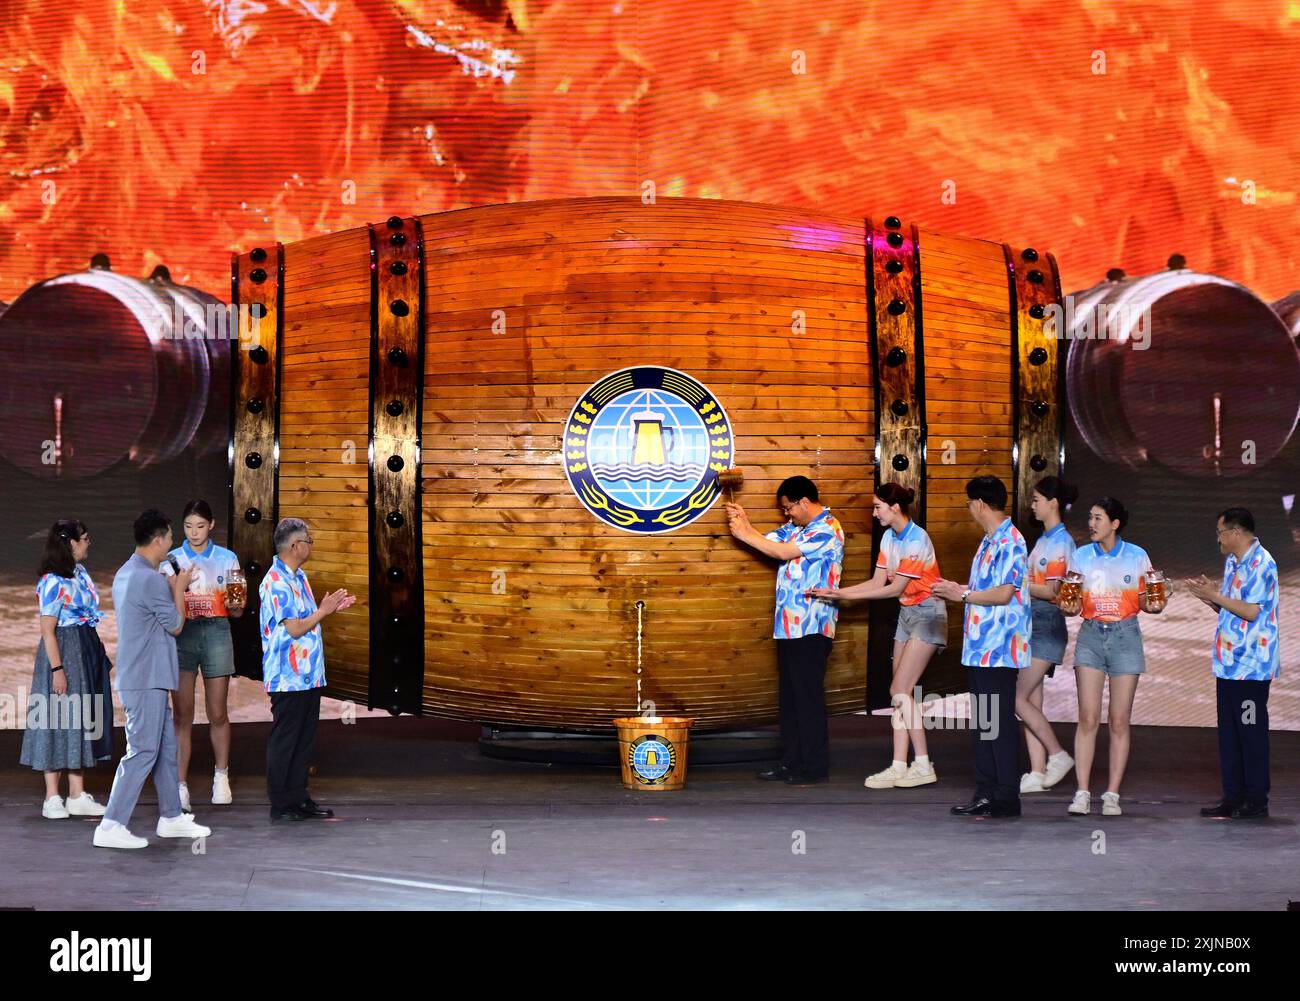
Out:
{"x": 997, "y": 758}
{"x": 1243, "y": 746}
{"x": 290, "y": 745}
{"x": 802, "y": 666}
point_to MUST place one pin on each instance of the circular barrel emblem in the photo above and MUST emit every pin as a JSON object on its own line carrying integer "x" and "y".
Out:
{"x": 643, "y": 448}
{"x": 652, "y": 758}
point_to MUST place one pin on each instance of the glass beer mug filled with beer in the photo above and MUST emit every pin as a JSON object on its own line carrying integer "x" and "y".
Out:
{"x": 236, "y": 588}
{"x": 1070, "y": 597}
{"x": 1156, "y": 592}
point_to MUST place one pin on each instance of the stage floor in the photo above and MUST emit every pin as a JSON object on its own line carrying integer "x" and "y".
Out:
{"x": 425, "y": 822}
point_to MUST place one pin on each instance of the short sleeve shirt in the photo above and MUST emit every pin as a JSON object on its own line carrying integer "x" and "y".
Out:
{"x": 1249, "y": 651}
{"x": 910, "y": 554}
{"x": 288, "y": 664}
{"x": 998, "y": 635}
{"x": 206, "y": 595}
{"x": 72, "y": 600}
{"x": 1051, "y": 556}
{"x": 821, "y": 542}
{"x": 1112, "y": 581}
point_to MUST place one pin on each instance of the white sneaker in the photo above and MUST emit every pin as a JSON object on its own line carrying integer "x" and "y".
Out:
{"x": 1058, "y": 767}
{"x": 221, "y": 789}
{"x": 185, "y": 797}
{"x": 52, "y": 808}
{"x": 1032, "y": 782}
{"x": 1110, "y": 804}
{"x": 181, "y": 827}
{"x": 117, "y": 837}
{"x": 917, "y": 775}
{"x": 85, "y": 806}
{"x": 887, "y": 778}
{"x": 1082, "y": 803}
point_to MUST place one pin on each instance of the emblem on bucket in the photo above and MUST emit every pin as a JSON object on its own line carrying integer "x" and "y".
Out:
{"x": 643, "y": 448}
{"x": 652, "y": 758}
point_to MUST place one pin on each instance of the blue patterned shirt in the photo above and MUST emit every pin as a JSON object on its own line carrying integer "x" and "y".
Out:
{"x": 998, "y": 635}
{"x": 72, "y": 600}
{"x": 1249, "y": 651}
{"x": 821, "y": 542}
{"x": 288, "y": 664}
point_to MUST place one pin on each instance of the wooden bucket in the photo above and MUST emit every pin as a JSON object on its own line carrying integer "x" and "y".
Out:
{"x": 652, "y": 751}
{"x": 413, "y": 388}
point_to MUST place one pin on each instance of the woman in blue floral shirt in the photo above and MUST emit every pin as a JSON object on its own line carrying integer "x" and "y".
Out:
{"x": 70, "y": 709}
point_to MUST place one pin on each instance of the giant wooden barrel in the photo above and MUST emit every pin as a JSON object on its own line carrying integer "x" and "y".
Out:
{"x": 460, "y": 406}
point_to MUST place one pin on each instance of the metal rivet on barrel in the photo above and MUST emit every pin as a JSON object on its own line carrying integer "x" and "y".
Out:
{"x": 255, "y": 405}
{"x": 396, "y": 574}
{"x": 1029, "y": 254}
{"x": 252, "y": 516}
{"x": 255, "y": 568}
{"x": 895, "y": 357}
{"x": 899, "y": 408}
{"x": 1035, "y": 276}
{"x": 894, "y": 239}
{"x": 253, "y": 460}
{"x": 397, "y": 356}
{"x": 900, "y": 462}
{"x": 394, "y": 408}
{"x": 396, "y": 659}
{"x": 1038, "y": 463}
{"x": 397, "y": 239}
{"x": 395, "y": 519}
{"x": 894, "y": 267}
{"x": 257, "y": 276}
{"x": 1037, "y": 356}
{"x": 893, "y": 222}
{"x": 395, "y": 463}
{"x": 258, "y": 255}
{"x": 395, "y": 222}
{"x": 397, "y": 622}
{"x": 897, "y": 307}
{"x": 398, "y": 307}
{"x": 397, "y": 268}
{"x": 1037, "y": 311}
{"x": 1039, "y": 408}
{"x": 257, "y": 310}
{"x": 259, "y": 355}
{"x": 1115, "y": 275}
{"x": 1177, "y": 262}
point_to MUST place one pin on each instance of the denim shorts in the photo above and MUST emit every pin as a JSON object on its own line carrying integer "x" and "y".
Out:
{"x": 1049, "y": 636}
{"x": 1113, "y": 647}
{"x": 206, "y": 642}
{"x": 926, "y": 621}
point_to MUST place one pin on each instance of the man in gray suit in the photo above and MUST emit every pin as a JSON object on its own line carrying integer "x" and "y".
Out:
{"x": 150, "y": 613}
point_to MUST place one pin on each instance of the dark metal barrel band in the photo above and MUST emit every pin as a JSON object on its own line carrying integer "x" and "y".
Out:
{"x": 1033, "y": 284}
{"x": 396, "y": 394}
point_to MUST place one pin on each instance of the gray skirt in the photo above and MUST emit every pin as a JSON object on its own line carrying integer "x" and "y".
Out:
{"x": 73, "y": 730}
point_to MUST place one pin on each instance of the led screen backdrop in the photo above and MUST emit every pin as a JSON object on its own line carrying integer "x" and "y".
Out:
{"x": 1112, "y": 134}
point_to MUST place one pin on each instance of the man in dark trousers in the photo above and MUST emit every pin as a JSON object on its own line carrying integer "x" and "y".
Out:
{"x": 293, "y": 669}
{"x": 995, "y": 647}
{"x": 810, "y": 546}
{"x": 1246, "y": 659}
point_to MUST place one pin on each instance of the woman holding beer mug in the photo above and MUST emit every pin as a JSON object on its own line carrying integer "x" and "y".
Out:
{"x": 1048, "y": 761}
{"x": 216, "y": 592}
{"x": 1109, "y": 582}
{"x": 906, "y": 570}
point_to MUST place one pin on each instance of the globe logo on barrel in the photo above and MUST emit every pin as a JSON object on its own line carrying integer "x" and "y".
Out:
{"x": 652, "y": 758}
{"x": 643, "y": 448}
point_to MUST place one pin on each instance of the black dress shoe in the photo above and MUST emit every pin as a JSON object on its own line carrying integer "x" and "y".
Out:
{"x": 1221, "y": 810}
{"x": 806, "y": 778}
{"x": 977, "y": 807}
{"x": 288, "y": 813}
{"x": 309, "y": 809}
{"x": 1250, "y": 811}
{"x": 777, "y": 774}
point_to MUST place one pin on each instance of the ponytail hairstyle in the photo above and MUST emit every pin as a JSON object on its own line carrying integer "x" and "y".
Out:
{"x": 1055, "y": 488}
{"x": 895, "y": 493}
{"x": 57, "y": 558}
{"x": 1115, "y": 511}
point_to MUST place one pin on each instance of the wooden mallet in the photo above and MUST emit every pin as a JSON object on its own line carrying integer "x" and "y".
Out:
{"x": 731, "y": 479}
